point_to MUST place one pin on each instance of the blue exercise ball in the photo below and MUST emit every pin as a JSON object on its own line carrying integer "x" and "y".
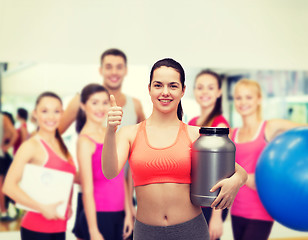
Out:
{"x": 282, "y": 178}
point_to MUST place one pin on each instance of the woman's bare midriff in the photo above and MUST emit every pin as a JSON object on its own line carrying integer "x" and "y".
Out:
{"x": 164, "y": 204}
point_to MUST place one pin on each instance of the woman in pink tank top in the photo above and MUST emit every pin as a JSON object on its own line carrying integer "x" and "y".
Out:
{"x": 208, "y": 94}
{"x": 106, "y": 213}
{"x": 250, "y": 220}
{"x": 160, "y": 161}
{"x": 46, "y": 148}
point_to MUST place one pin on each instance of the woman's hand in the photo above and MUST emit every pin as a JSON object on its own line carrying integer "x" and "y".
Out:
{"x": 69, "y": 212}
{"x": 216, "y": 225}
{"x": 50, "y": 211}
{"x": 114, "y": 114}
{"x": 229, "y": 188}
{"x": 128, "y": 226}
{"x": 96, "y": 236}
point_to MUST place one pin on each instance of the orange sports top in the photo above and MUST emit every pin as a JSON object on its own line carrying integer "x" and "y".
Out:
{"x": 161, "y": 165}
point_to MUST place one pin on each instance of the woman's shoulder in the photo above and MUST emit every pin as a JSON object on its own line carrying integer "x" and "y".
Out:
{"x": 32, "y": 142}
{"x": 129, "y": 132}
{"x": 130, "y": 128}
{"x": 220, "y": 120}
{"x": 86, "y": 139}
{"x": 193, "y": 121}
{"x": 193, "y": 132}
{"x": 30, "y": 147}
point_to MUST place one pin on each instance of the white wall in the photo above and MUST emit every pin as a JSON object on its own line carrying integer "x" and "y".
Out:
{"x": 64, "y": 39}
{"x": 223, "y": 34}
{"x": 37, "y": 77}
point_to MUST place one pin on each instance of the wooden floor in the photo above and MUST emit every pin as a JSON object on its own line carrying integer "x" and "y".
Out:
{"x": 10, "y": 226}
{"x": 297, "y": 238}
{"x": 15, "y": 226}
{"x": 10, "y": 231}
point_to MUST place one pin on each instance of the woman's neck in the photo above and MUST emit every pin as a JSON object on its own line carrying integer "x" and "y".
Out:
{"x": 94, "y": 127}
{"x": 205, "y": 113}
{"x": 163, "y": 119}
{"x": 49, "y": 137}
{"x": 251, "y": 121}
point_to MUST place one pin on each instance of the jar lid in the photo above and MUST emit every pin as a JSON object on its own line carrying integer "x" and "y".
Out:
{"x": 213, "y": 130}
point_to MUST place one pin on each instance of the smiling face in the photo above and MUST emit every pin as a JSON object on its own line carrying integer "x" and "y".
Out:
{"x": 247, "y": 100}
{"x": 166, "y": 89}
{"x": 206, "y": 90}
{"x": 48, "y": 113}
{"x": 96, "y": 107}
{"x": 113, "y": 70}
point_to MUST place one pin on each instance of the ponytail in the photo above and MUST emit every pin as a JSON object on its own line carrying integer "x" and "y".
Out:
{"x": 57, "y": 135}
{"x": 217, "y": 110}
{"x": 80, "y": 120}
{"x": 169, "y": 62}
{"x": 62, "y": 144}
{"x": 86, "y": 93}
{"x": 180, "y": 111}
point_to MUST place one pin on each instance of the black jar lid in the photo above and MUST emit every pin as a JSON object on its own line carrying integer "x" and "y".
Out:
{"x": 213, "y": 130}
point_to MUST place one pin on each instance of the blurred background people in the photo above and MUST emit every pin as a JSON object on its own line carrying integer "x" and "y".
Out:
{"x": 22, "y": 131}
{"x": 250, "y": 220}
{"x": 46, "y": 149}
{"x": 107, "y": 213}
{"x": 8, "y": 136}
{"x": 113, "y": 69}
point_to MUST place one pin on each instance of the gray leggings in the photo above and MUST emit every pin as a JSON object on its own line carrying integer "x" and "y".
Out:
{"x": 195, "y": 229}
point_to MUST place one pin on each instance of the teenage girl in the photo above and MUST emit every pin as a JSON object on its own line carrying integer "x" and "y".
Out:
{"x": 47, "y": 149}
{"x": 160, "y": 161}
{"x": 208, "y": 94}
{"x": 106, "y": 212}
{"x": 250, "y": 220}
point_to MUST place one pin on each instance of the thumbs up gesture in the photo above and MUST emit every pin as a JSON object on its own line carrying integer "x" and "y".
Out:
{"x": 115, "y": 114}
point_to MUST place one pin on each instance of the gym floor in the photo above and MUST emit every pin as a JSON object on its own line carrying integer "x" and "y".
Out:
{"x": 10, "y": 231}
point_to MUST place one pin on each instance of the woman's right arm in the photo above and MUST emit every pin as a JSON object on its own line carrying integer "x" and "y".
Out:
{"x": 69, "y": 114}
{"x": 116, "y": 144}
{"x": 85, "y": 150}
{"x": 11, "y": 184}
{"x": 24, "y": 134}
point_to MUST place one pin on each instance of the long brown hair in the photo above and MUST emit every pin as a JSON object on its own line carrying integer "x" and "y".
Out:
{"x": 57, "y": 135}
{"x": 218, "y": 105}
{"x": 86, "y": 93}
{"x": 169, "y": 62}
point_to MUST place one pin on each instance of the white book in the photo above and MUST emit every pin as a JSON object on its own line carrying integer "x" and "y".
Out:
{"x": 46, "y": 186}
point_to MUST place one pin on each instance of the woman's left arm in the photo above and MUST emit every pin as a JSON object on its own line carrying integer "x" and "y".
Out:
{"x": 275, "y": 127}
{"x": 229, "y": 188}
